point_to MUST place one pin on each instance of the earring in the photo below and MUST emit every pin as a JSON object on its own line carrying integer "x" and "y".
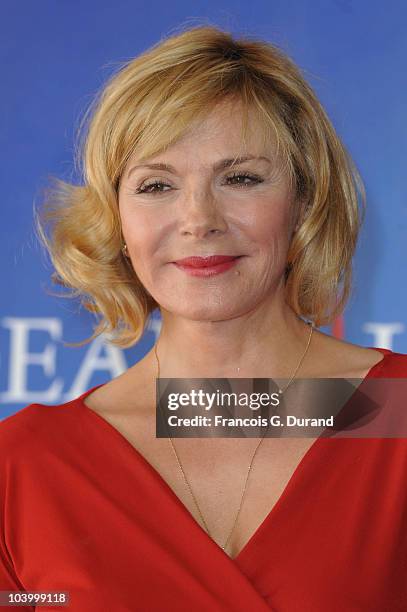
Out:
{"x": 124, "y": 250}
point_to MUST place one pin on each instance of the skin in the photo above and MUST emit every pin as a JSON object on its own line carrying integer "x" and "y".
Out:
{"x": 238, "y": 319}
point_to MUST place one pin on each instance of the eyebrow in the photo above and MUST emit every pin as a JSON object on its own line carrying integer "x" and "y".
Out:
{"x": 220, "y": 165}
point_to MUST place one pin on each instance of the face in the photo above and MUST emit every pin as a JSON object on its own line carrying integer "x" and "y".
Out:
{"x": 195, "y": 203}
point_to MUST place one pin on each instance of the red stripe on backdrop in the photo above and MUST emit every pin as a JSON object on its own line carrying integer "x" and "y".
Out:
{"x": 338, "y": 328}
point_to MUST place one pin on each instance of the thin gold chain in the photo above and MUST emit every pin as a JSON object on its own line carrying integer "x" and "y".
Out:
{"x": 311, "y": 323}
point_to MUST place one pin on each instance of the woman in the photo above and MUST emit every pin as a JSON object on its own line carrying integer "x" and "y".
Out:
{"x": 215, "y": 189}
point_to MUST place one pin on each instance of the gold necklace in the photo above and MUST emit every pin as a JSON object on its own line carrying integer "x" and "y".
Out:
{"x": 281, "y": 391}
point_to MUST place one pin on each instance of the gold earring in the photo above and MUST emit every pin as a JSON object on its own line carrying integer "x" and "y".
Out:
{"x": 124, "y": 250}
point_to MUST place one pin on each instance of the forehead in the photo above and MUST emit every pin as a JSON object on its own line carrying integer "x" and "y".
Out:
{"x": 222, "y": 128}
{"x": 219, "y": 133}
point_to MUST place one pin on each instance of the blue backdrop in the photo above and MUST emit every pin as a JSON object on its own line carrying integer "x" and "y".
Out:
{"x": 56, "y": 54}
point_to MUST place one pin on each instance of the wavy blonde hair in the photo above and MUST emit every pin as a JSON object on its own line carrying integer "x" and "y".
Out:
{"x": 146, "y": 106}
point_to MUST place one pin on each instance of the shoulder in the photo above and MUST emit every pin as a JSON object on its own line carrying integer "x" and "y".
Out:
{"x": 35, "y": 428}
{"x": 21, "y": 428}
{"x": 394, "y": 364}
{"x": 335, "y": 357}
{"x": 22, "y": 443}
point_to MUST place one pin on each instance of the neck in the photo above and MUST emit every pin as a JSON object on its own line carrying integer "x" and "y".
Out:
{"x": 263, "y": 343}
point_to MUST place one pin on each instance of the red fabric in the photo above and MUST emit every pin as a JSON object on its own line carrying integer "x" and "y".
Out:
{"x": 82, "y": 511}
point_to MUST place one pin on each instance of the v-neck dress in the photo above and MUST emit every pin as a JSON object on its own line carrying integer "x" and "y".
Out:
{"x": 82, "y": 511}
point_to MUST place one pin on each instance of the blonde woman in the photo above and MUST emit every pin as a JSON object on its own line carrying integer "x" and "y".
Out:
{"x": 216, "y": 190}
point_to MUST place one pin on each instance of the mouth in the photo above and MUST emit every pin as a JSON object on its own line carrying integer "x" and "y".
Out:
{"x": 207, "y": 266}
{"x": 206, "y": 262}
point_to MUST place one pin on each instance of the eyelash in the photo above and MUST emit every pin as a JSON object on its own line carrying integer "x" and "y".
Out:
{"x": 256, "y": 180}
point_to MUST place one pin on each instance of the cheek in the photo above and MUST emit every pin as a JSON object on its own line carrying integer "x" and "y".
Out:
{"x": 139, "y": 229}
{"x": 269, "y": 225}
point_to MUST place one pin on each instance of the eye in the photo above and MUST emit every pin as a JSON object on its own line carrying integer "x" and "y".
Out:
{"x": 244, "y": 179}
{"x": 152, "y": 188}
{"x": 238, "y": 179}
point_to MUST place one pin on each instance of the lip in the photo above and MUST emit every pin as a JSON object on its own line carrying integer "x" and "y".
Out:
{"x": 207, "y": 266}
{"x": 205, "y": 262}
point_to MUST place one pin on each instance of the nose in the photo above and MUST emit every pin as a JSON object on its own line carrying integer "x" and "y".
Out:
{"x": 201, "y": 215}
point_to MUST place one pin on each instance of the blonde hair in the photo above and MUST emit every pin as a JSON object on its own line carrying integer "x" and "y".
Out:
{"x": 146, "y": 106}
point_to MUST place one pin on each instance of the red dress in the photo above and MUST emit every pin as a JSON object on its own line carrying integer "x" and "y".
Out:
{"x": 81, "y": 510}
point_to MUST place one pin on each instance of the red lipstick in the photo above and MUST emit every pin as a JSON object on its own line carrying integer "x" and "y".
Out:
{"x": 207, "y": 266}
